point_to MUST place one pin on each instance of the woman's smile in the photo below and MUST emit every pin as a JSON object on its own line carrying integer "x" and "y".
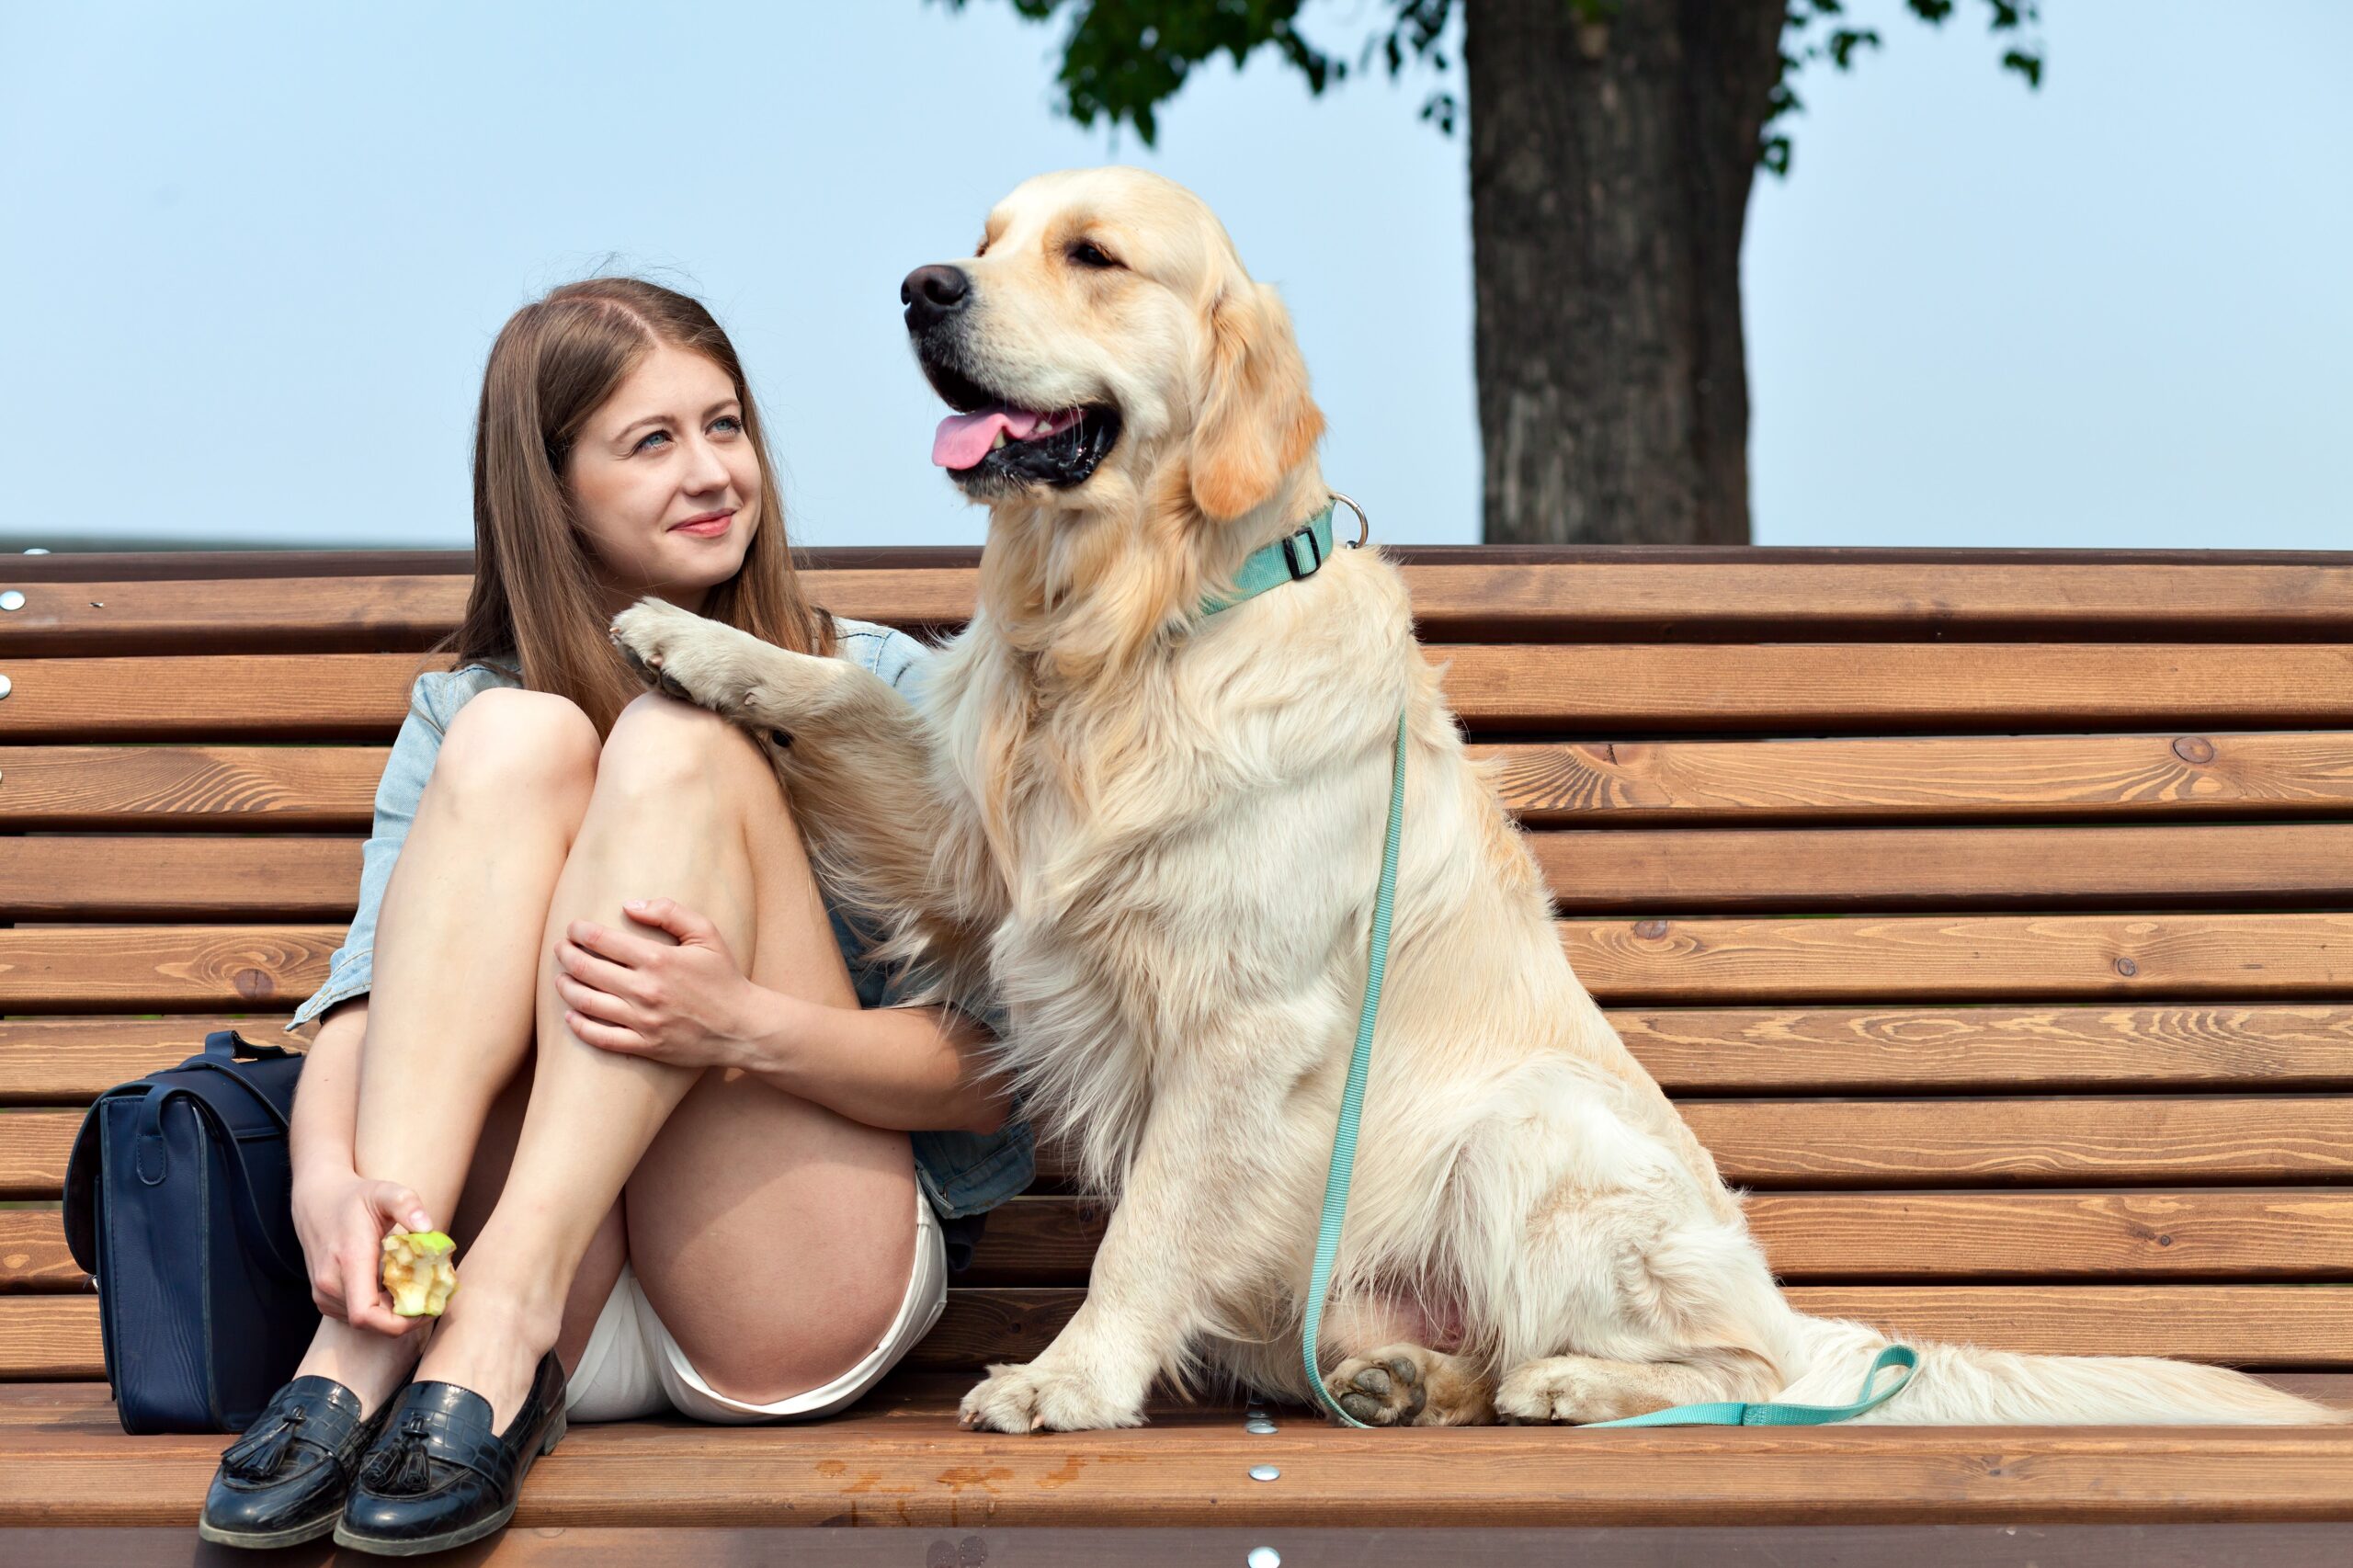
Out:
{"x": 706, "y": 525}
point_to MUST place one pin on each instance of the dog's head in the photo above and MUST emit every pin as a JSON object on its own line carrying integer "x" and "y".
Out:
{"x": 1104, "y": 328}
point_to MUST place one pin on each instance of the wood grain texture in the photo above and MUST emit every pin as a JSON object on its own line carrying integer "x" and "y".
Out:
{"x": 1876, "y": 959}
{"x": 2183, "y": 1232}
{"x": 1989, "y": 957}
{"x": 2091, "y": 1140}
{"x": 2302, "y": 865}
{"x": 1897, "y": 686}
{"x": 2238, "y": 865}
{"x": 252, "y": 789}
{"x": 177, "y": 876}
{"x": 70, "y": 1061}
{"x": 2310, "y": 1327}
{"x": 914, "y": 1468}
{"x": 1580, "y": 688}
{"x": 1488, "y": 595}
{"x": 1621, "y": 783}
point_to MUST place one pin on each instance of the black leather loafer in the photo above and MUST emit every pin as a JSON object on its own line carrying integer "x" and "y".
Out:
{"x": 284, "y": 1482}
{"x": 438, "y": 1476}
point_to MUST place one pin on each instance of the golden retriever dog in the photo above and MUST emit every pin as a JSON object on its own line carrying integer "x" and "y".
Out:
{"x": 1153, "y": 836}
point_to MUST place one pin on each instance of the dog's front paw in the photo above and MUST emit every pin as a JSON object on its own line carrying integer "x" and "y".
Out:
{"x": 1381, "y": 1389}
{"x": 673, "y": 649}
{"x": 1031, "y": 1397}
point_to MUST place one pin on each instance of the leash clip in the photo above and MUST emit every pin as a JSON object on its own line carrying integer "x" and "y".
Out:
{"x": 1364, "y": 524}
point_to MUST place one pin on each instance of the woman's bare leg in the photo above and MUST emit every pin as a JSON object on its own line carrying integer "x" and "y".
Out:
{"x": 775, "y": 1238}
{"x": 662, "y": 821}
{"x": 450, "y": 1011}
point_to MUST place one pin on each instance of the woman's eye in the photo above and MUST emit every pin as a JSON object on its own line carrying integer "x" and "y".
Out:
{"x": 647, "y": 440}
{"x": 1086, "y": 255}
{"x": 730, "y": 423}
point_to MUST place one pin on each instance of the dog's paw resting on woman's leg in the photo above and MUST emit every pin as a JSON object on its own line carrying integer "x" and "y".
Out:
{"x": 733, "y": 673}
{"x": 1031, "y": 1397}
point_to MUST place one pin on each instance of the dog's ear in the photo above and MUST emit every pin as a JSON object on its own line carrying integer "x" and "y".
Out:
{"x": 1255, "y": 420}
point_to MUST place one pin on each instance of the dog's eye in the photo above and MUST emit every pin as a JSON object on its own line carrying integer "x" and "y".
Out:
{"x": 1084, "y": 254}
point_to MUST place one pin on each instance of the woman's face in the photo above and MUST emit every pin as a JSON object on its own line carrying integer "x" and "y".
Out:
{"x": 665, "y": 481}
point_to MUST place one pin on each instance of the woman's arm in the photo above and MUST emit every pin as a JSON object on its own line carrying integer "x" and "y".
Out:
{"x": 320, "y": 1132}
{"x": 909, "y": 1069}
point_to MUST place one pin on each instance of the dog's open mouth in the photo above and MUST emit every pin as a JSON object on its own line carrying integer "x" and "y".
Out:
{"x": 991, "y": 439}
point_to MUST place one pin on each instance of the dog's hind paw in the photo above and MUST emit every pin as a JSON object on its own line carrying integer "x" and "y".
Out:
{"x": 1385, "y": 1390}
{"x": 1030, "y": 1399}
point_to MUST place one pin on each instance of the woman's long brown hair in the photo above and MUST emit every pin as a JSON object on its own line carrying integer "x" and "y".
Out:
{"x": 536, "y": 596}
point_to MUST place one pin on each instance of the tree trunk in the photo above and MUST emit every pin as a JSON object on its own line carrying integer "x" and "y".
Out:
{"x": 1610, "y": 166}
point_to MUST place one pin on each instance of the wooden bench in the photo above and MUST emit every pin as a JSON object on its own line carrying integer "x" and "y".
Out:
{"x": 1991, "y": 916}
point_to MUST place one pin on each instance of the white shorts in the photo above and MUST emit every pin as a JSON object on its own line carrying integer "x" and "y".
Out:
{"x": 634, "y": 1369}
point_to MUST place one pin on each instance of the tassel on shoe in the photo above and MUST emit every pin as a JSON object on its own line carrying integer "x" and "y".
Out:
{"x": 256, "y": 1456}
{"x": 404, "y": 1469}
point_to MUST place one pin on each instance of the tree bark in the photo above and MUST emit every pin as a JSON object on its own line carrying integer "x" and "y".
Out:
{"x": 1610, "y": 166}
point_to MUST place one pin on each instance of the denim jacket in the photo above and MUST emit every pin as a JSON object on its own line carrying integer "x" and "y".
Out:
{"x": 961, "y": 1172}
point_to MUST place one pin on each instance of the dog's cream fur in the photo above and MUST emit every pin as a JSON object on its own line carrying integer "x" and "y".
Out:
{"x": 1157, "y": 836}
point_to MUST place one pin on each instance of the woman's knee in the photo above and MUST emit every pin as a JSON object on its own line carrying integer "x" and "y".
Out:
{"x": 658, "y": 746}
{"x": 510, "y": 745}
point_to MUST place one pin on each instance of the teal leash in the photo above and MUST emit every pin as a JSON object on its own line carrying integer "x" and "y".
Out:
{"x": 1344, "y": 1139}
{"x": 1288, "y": 560}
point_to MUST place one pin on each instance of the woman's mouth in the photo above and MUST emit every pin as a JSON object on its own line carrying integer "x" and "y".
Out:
{"x": 708, "y": 524}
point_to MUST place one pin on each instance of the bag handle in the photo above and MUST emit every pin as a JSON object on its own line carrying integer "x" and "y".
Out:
{"x": 248, "y": 1206}
{"x": 228, "y": 1045}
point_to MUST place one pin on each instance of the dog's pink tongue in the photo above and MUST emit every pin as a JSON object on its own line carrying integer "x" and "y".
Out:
{"x": 963, "y": 439}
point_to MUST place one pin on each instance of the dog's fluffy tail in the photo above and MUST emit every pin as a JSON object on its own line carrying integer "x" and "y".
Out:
{"x": 1963, "y": 1385}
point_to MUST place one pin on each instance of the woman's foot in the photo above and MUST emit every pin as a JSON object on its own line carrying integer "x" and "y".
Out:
{"x": 442, "y": 1472}
{"x": 372, "y": 1366}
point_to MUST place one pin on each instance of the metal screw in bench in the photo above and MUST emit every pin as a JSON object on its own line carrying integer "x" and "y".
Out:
{"x": 6, "y": 686}
{"x": 12, "y": 600}
{"x": 1264, "y": 1472}
{"x": 1264, "y": 1557}
{"x": 36, "y": 550}
{"x": 1261, "y": 1426}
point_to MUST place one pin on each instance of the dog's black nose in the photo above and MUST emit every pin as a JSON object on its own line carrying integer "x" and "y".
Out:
{"x": 931, "y": 293}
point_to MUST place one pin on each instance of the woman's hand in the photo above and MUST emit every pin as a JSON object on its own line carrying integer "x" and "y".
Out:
{"x": 690, "y": 1005}
{"x": 342, "y": 1218}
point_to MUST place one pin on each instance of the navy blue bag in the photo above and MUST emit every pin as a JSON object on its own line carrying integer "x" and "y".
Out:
{"x": 180, "y": 1204}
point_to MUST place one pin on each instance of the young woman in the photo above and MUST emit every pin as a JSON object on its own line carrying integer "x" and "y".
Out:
{"x": 593, "y": 1010}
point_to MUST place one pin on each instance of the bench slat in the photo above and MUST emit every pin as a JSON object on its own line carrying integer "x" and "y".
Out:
{"x": 1575, "y": 687}
{"x": 1826, "y": 1051}
{"x": 1991, "y": 958}
{"x": 2250, "y": 1233}
{"x": 1612, "y": 784}
{"x": 2306, "y": 1327}
{"x": 2303, "y": 865}
{"x": 2307, "y": 864}
{"x": 2206, "y": 1233}
{"x": 2094, "y": 1140}
{"x": 1489, "y": 598}
{"x": 1683, "y": 782}
{"x": 1875, "y": 960}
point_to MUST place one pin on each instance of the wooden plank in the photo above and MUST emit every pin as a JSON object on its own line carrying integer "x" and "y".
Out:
{"x": 2092, "y": 1140}
{"x": 1491, "y": 593}
{"x": 95, "y": 877}
{"x": 1882, "y": 958}
{"x": 1897, "y": 686}
{"x": 56, "y": 1337}
{"x": 2300, "y": 865}
{"x": 1828, "y": 1051}
{"x": 1622, "y": 783}
{"x": 2303, "y": 865}
{"x": 145, "y": 969}
{"x": 247, "y": 788}
{"x": 917, "y": 1468}
{"x": 33, "y": 1256}
{"x": 211, "y": 698}
{"x": 1577, "y": 687}
{"x": 2212, "y": 1233}
{"x": 74, "y": 1061}
{"x": 2051, "y": 1049}
{"x": 2026, "y": 1141}
{"x": 152, "y": 969}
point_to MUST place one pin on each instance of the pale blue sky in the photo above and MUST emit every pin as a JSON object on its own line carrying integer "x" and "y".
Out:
{"x": 255, "y": 255}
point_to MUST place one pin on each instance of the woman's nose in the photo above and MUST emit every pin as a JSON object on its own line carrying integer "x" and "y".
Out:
{"x": 707, "y": 471}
